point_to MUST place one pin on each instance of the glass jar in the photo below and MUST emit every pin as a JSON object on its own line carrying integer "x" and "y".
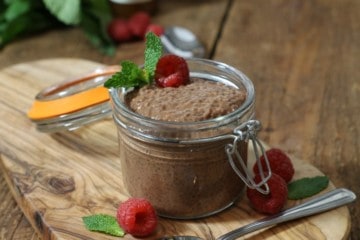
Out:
{"x": 186, "y": 169}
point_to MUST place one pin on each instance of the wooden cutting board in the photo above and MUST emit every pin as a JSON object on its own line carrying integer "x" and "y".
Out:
{"x": 58, "y": 178}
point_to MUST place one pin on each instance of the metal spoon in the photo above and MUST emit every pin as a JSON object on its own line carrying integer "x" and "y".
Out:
{"x": 182, "y": 42}
{"x": 327, "y": 201}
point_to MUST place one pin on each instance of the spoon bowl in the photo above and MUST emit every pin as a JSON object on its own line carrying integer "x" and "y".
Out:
{"x": 182, "y": 42}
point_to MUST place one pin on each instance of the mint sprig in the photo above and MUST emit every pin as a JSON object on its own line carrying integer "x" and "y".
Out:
{"x": 131, "y": 75}
{"x": 103, "y": 223}
{"x": 21, "y": 17}
{"x": 307, "y": 187}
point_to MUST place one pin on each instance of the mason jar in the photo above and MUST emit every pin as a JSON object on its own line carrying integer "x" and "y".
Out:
{"x": 186, "y": 170}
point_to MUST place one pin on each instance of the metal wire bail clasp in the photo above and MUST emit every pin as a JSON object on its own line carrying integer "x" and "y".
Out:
{"x": 247, "y": 132}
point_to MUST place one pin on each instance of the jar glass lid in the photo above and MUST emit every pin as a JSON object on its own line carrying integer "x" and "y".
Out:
{"x": 71, "y": 104}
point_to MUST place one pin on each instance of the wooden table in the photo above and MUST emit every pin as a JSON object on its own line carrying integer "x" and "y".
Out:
{"x": 303, "y": 57}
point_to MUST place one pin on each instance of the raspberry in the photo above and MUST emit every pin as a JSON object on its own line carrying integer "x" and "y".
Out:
{"x": 119, "y": 31}
{"x": 157, "y": 29}
{"x": 279, "y": 163}
{"x": 274, "y": 201}
{"x": 171, "y": 71}
{"x": 137, "y": 217}
{"x": 138, "y": 23}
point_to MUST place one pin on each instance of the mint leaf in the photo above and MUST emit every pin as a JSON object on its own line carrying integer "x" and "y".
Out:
{"x": 16, "y": 9}
{"x": 103, "y": 223}
{"x": 67, "y": 11}
{"x": 307, "y": 187}
{"x": 153, "y": 52}
{"x": 95, "y": 18}
{"x": 129, "y": 76}
{"x": 133, "y": 76}
{"x": 30, "y": 19}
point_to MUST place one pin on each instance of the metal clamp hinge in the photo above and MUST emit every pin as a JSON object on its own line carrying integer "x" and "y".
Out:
{"x": 247, "y": 132}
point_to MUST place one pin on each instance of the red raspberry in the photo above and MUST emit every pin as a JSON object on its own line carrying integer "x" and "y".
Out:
{"x": 137, "y": 217}
{"x": 274, "y": 201}
{"x": 279, "y": 162}
{"x": 138, "y": 23}
{"x": 157, "y": 29}
{"x": 119, "y": 31}
{"x": 171, "y": 71}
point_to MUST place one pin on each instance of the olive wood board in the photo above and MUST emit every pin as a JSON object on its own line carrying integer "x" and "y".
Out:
{"x": 58, "y": 178}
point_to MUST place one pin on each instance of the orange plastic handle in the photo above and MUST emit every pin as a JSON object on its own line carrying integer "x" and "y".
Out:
{"x": 44, "y": 109}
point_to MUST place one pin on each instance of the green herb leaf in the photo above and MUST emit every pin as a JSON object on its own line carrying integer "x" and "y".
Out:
{"x": 153, "y": 52}
{"x": 12, "y": 29}
{"x": 95, "y": 17}
{"x": 24, "y": 24}
{"x": 129, "y": 76}
{"x": 16, "y": 9}
{"x": 307, "y": 187}
{"x": 67, "y": 11}
{"x": 133, "y": 76}
{"x": 21, "y": 17}
{"x": 103, "y": 223}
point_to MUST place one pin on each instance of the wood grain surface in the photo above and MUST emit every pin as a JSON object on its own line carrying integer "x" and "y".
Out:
{"x": 58, "y": 178}
{"x": 301, "y": 55}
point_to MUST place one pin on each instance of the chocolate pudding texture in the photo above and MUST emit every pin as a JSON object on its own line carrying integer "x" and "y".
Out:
{"x": 182, "y": 180}
{"x": 197, "y": 101}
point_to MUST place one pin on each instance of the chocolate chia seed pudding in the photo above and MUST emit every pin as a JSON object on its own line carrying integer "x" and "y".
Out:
{"x": 172, "y": 143}
{"x": 197, "y": 101}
